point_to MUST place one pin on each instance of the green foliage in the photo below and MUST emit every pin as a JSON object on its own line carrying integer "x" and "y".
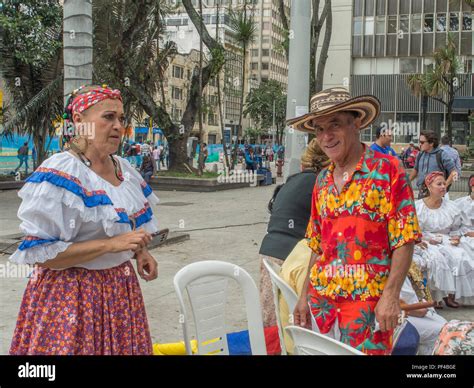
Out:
{"x": 31, "y": 52}
{"x": 147, "y": 55}
{"x": 243, "y": 26}
{"x": 259, "y": 105}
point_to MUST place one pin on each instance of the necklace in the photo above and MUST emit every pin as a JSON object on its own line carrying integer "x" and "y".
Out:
{"x": 84, "y": 159}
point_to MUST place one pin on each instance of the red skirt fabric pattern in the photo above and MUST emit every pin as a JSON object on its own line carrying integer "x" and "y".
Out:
{"x": 77, "y": 311}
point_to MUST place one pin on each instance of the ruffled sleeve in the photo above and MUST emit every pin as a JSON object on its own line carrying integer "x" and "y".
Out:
{"x": 49, "y": 228}
{"x": 55, "y": 202}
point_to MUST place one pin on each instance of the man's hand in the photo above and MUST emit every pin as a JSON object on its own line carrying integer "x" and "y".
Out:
{"x": 147, "y": 266}
{"x": 301, "y": 315}
{"x": 387, "y": 312}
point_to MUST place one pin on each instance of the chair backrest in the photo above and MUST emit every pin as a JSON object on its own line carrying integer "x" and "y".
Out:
{"x": 279, "y": 285}
{"x": 309, "y": 343}
{"x": 206, "y": 284}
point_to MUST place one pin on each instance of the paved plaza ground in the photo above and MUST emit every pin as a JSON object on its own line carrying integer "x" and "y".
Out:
{"x": 227, "y": 225}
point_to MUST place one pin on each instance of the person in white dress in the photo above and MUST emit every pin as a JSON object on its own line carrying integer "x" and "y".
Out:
{"x": 466, "y": 204}
{"x": 443, "y": 225}
{"x": 428, "y": 323}
{"x": 86, "y": 214}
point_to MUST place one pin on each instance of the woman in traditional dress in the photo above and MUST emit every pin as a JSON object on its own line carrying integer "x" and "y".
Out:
{"x": 466, "y": 204}
{"x": 443, "y": 225}
{"x": 86, "y": 213}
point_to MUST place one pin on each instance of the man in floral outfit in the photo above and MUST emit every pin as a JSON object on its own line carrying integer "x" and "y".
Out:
{"x": 362, "y": 229}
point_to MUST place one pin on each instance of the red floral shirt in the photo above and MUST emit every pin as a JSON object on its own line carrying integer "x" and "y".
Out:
{"x": 355, "y": 232}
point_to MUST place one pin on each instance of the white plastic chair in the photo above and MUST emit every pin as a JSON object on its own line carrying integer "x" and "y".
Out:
{"x": 279, "y": 285}
{"x": 206, "y": 283}
{"x": 309, "y": 343}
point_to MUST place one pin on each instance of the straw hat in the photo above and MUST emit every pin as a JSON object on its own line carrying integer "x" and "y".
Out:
{"x": 335, "y": 100}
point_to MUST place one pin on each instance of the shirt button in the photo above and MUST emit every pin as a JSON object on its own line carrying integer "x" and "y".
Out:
{"x": 339, "y": 234}
{"x": 338, "y": 310}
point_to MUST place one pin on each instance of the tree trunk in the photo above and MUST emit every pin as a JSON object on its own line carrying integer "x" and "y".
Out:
{"x": 219, "y": 100}
{"x": 77, "y": 40}
{"x": 324, "y": 49}
{"x": 200, "y": 156}
{"x": 241, "y": 113}
{"x": 424, "y": 111}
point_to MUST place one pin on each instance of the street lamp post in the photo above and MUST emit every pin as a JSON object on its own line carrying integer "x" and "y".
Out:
{"x": 298, "y": 82}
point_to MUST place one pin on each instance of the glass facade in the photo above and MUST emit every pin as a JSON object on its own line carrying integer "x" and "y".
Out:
{"x": 392, "y": 39}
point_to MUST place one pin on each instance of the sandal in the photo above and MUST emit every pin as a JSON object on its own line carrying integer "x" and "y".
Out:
{"x": 438, "y": 305}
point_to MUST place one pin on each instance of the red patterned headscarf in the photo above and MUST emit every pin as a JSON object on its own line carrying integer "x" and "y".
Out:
{"x": 432, "y": 176}
{"x": 84, "y": 101}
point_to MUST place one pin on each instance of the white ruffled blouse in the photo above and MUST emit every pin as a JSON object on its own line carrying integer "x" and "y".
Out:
{"x": 466, "y": 204}
{"x": 448, "y": 219}
{"x": 64, "y": 202}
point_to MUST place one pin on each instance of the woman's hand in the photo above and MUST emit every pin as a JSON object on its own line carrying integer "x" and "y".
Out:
{"x": 423, "y": 245}
{"x": 432, "y": 241}
{"x": 455, "y": 240}
{"x": 147, "y": 266}
{"x": 132, "y": 241}
{"x": 470, "y": 234}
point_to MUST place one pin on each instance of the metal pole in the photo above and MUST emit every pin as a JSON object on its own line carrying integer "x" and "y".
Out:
{"x": 273, "y": 125}
{"x": 298, "y": 82}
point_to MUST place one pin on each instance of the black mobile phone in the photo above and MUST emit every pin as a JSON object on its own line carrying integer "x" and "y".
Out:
{"x": 162, "y": 234}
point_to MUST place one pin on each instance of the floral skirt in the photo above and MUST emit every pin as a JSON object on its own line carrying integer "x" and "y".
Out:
{"x": 77, "y": 311}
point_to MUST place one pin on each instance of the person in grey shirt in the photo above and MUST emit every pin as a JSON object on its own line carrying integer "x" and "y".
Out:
{"x": 431, "y": 158}
{"x": 452, "y": 152}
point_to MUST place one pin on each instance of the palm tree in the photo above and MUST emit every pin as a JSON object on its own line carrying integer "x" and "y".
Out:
{"x": 417, "y": 87}
{"x": 244, "y": 29}
{"x": 441, "y": 83}
{"x": 32, "y": 67}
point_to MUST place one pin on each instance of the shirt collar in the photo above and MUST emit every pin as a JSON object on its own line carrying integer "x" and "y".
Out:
{"x": 367, "y": 153}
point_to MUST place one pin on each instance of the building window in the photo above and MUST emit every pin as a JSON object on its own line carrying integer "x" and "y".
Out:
{"x": 408, "y": 65}
{"x": 178, "y": 72}
{"x": 415, "y": 23}
{"x": 254, "y": 52}
{"x": 265, "y": 52}
{"x": 358, "y": 7}
{"x": 357, "y": 26}
{"x": 176, "y": 93}
{"x": 264, "y": 65}
{"x": 381, "y": 7}
{"x": 441, "y": 5}
{"x": 392, "y": 7}
{"x": 369, "y": 26}
{"x": 369, "y": 7}
{"x": 453, "y": 22}
{"x": 466, "y": 21}
{"x": 404, "y": 23}
{"x": 429, "y": 6}
{"x": 254, "y": 66}
{"x": 211, "y": 139}
{"x": 266, "y": 26}
{"x": 392, "y": 25}
{"x": 440, "y": 22}
{"x": 428, "y": 24}
{"x": 380, "y": 25}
